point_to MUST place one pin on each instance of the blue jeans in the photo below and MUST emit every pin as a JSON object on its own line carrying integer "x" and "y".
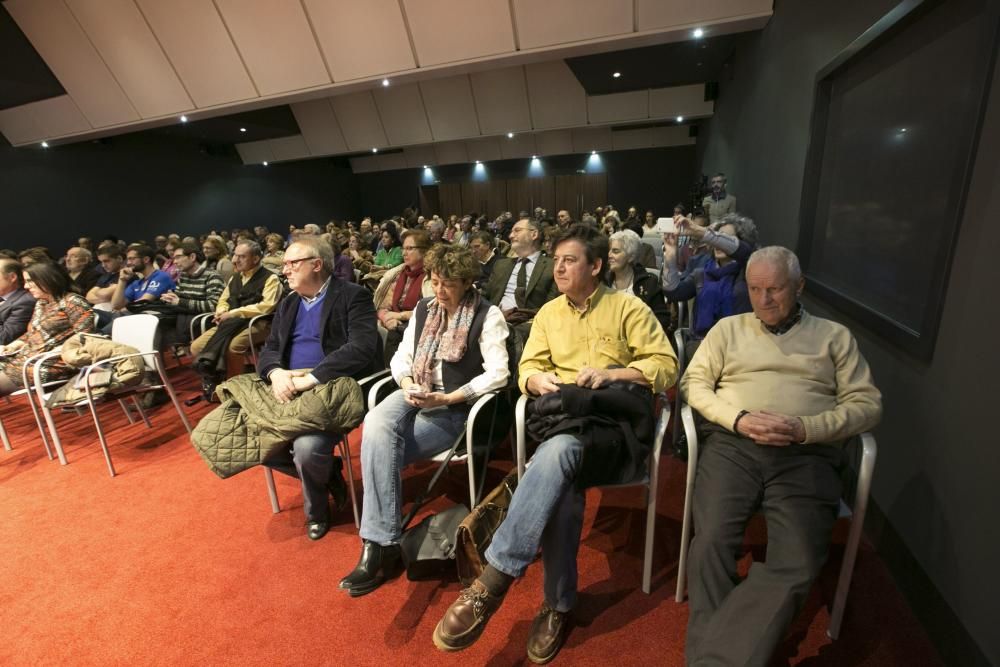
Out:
{"x": 396, "y": 434}
{"x": 546, "y": 511}
{"x": 310, "y": 458}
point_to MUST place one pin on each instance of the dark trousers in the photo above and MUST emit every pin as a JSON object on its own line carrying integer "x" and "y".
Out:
{"x": 310, "y": 459}
{"x": 798, "y": 489}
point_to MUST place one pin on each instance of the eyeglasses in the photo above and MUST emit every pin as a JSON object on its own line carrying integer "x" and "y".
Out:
{"x": 413, "y": 247}
{"x": 294, "y": 263}
{"x": 179, "y": 255}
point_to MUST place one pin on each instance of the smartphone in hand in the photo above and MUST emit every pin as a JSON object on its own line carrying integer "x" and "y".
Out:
{"x": 414, "y": 391}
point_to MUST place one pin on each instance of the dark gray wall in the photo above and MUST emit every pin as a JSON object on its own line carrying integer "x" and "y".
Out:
{"x": 141, "y": 185}
{"x": 936, "y": 482}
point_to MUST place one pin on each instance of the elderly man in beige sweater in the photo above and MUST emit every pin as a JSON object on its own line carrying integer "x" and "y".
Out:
{"x": 780, "y": 391}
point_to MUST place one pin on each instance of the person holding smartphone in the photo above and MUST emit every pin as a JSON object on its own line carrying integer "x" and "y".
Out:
{"x": 453, "y": 351}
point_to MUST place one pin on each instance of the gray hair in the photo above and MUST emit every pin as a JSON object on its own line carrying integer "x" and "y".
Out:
{"x": 312, "y": 228}
{"x": 778, "y": 256}
{"x": 253, "y": 247}
{"x": 746, "y": 228}
{"x": 320, "y": 248}
{"x": 87, "y": 255}
{"x": 630, "y": 242}
{"x": 436, "y": 225}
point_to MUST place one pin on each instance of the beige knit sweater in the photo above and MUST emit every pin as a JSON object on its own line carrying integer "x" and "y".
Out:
{"x": 814, "y": 372}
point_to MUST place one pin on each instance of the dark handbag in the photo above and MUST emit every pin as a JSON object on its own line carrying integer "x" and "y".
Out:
{"x": 476, "y": 531}
{"x": 428, "y": 548}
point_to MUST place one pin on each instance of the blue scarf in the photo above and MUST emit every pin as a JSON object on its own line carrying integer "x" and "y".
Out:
{"x": 715, "y": 300}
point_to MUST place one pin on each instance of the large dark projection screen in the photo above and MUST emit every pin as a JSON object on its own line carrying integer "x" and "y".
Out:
{"x": 895, "y": 125}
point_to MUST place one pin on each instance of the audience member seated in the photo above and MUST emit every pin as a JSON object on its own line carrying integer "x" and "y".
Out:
{"x": 779, "y": 391}
{"x": 216, "y": 253}
{"x": 692, "y": 254}
{"x": 652, "y": 237}
{"x": 615, "y": 338}
{"x": 719, "y": 289}
{"x": 522, "y": 285}
{"x": 564, "y": 219}
{"x": 401, "y": 288}
{"x": 58, "y": 314}
{"x": 482, "y": 249}
{"x": 198, "y": 291}
{"x": 167, "y": 265}
{"x": 274, "y": 254}
{"x": 35, "y": 255}
{"x": 343, "y": 268}
{"x": 368, "y": 236}
{"x": 83, "y": 274}
{"x": 388, "y": 255}
{"x": 323, "y": 330}
{"x": 719, "y": 203}
{"x": 361, "y": 256}
{"x": 16, "y": 303}
{"x": 253, "y": 290}
{"x": 110, "y": 257}
{"x": 139, "y": 284}
{"x": 435, "y": 228}
{"x": 454, "y": 352}
{"x": 630, "y": 276}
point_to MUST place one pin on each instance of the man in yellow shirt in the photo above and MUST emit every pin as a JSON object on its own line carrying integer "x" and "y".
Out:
{"x": 589, "y": 336}
{"x": 780, "y": 390}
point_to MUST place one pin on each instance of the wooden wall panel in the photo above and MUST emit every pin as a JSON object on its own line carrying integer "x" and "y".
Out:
{"x": 450, "y": 195}
{"x": 568, "y": 193}
{"x": 594, "y": 188}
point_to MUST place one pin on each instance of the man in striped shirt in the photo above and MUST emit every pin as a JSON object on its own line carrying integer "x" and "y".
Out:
{"x": 198, "y": 290}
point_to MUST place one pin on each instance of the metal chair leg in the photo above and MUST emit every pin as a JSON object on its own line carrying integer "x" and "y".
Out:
{"x": 6, "y": 440}
{"x": 38, "y": 423}
{"x": 142, "y": 413}
{"x": 692, "y": 438}
{"x": 170, "y": 392}
{"x": 125, "y": 408}
{"x": 271, "y": 491}
{"x": 345, "y": 450}
{"x": 103, "y": 440}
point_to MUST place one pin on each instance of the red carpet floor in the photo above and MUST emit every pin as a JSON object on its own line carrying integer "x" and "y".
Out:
{"x": 167, "y": 565}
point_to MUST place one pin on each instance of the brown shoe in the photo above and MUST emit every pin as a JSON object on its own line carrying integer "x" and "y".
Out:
{"x": 466, "y": 618}
{"x": 548, "y": 633}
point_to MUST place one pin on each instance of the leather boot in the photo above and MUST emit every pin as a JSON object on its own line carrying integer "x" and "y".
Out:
{"x": 548, "y": 633}
{"x": 377, "y": 563}
{"x": 466, "y": 618}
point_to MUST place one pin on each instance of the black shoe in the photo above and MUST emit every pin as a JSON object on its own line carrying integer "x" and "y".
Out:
{"x": 337, "y": 485}
{"x": 317, "y": 529}
{"x": 377, "y": 563}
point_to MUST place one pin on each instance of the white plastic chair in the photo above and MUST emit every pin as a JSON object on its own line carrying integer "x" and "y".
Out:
{"x": 138, "y": 331}
{"x": 650, "y": 480}
{"x": 474, "y": 492}
{"x": 345, "y": 453}
{"x": 27, "y": 392}
{"x": 866, "y": 468}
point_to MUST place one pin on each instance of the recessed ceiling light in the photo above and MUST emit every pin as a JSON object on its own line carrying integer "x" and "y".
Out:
{"x": 264, "y": 163}
{"x": 243, "y": 129}
{"x": 45, "y": 144}
{"x": 698, "y": 33}
{"x": 902, "y": 129}
{"x": 374, "y": 150}
{"x": 616, "y": 74}
{"x": 510, "y": 135}
{"x": 534, "y": 157}
{"x": 385, "y": 83}
{"x": 593, "y": 152}
{"x": 184, "y": 119}
{"x": 478, "y": 162}
{"x": 680, "y": 119}
{"x": 426, "y": 167}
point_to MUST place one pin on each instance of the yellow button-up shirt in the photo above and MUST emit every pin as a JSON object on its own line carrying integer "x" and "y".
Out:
{"x": 615, "y": 329}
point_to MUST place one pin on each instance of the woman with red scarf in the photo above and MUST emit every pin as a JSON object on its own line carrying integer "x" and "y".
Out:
{"x": 395, "y": 307}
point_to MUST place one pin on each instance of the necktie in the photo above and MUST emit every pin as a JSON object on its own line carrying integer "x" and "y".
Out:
{"x": 522, "y": 283}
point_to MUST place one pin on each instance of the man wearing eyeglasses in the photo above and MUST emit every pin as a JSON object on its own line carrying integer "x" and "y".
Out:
{"x": 251, "y": 291}
{"x": 324, "y": 330}
{"x": 198, "y": 290}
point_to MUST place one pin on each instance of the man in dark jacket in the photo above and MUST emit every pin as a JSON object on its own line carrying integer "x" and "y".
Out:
{"x": 591, "y": 336}
{"x": 16, "y": 305}
{"x": 324, "y": 330}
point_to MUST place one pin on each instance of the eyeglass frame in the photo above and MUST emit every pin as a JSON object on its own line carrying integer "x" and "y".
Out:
{"x": 293, "y": 264}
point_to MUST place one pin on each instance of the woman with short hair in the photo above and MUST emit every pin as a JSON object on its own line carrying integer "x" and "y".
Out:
{"x": 627, "y": 274}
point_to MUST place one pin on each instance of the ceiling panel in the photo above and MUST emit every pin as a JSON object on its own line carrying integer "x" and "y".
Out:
{"x": 359, "y": 121}
{"x": 59, "y": 116}
{"x": 121, "y": 35}
{"x": 389, "y": 161}
{"x": 522, "y": 145}
{"x": 20, "y": 124}
{"x": 403, "y": 117}
{"x": 289, "y": 148}
{"x": 628, "y": 139}
{"x": 557, "y": 98}
{"x": 455, "y": 30}
{"x": 450, "y": 107}
{"x": 688, "y": 101}
{"x": 675, "y": 135}
{"x": 657, "y": 14}
{"x": 618, "y": 107}
{"x": 559, "y": 21}
{"x": 61, "y": 42}
{"x": 588, "y": 139}
{"x": 361, "y": 38}
{"x": 554, "y": 142}
{"x": 418, "y": 156}
{"x": 486, "y": 149}
{"x": 276, "y": 42}
{"x": 195, "y": 40}
{"x": 501, "y": 100}
{"x": 451, "y": 152}
{"x": 255, "y": 152}
{"x": 319, "y": 126}
{"x": 360, "y": 165}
